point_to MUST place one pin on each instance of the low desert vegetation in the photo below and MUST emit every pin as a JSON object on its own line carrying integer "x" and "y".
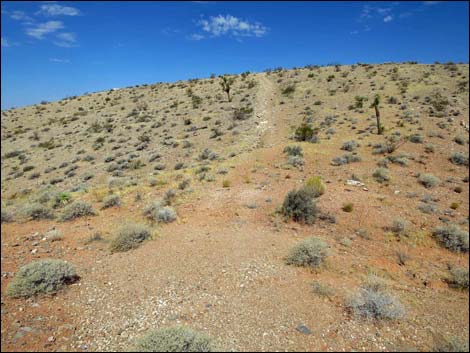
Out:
{"x": 77, "y": 209}
{"x": 452, "y": 238}
{"x": 299, "y": 205}
{"x": 37, "y": 211}
{"x": 428, "y": 180}
{"x": 111, "y": 201}
{"x": 459, "y": 277}
{"x": 129, "y": 237}
{"x": 372, "y": 301}
{"x": 310, "y": 252}
{"x": 174, "y": 339}
{"x": 41, "y": 277}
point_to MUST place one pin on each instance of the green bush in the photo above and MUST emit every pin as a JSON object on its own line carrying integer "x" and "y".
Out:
{"x": 76, "y": 210}
{"x": 305, "y": 133}
{"x": 315, "y": 186}
{"x": 309, "y": 253}
{"x": 42, "y": 276}
{"x": 452, "y": 237}
{"x": 299, "y": 206}
{"x": 174, "y": 339}
{"x": 129, "y": 237}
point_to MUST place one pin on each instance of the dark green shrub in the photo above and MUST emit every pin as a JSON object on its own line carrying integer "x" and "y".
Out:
{"x": 299, "y": 206}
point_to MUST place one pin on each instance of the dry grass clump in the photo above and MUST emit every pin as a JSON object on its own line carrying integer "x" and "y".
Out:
{"x": 309, "y": 253}
{"x": 174, "y": 339}
{"x": 372, "y": 301}
{"x": 129, "y": 237}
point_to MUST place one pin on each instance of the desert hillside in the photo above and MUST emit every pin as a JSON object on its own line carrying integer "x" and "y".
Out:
{"x": 273, "y": 218}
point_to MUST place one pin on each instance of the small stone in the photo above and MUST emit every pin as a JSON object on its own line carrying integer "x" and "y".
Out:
{"x": 51, "y": 339}
{"x": 304, "y": 329}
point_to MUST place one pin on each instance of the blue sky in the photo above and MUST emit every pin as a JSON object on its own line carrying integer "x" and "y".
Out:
{"x": 51, "y": 50}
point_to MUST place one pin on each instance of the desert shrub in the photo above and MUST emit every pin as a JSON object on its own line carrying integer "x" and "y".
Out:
{"x": 299, "y": 206}
{"x": 53, "y": 235}
{"x": 450, "y": 344}
{"x": 349, "y": 146}
{"x": 305, "y": 133}
{"x": 174, "y": 339}
{"x": 129, "y": 237}
{"x": 459, "y": 277}
{"x": 416, "y": 138}
{"x": 459, "y": 158}
{"x": 76, "y": 210}
{"x": 169, "y": 197}
{"x": 322, "y": 289}
{"x": 348, "y": 207}
{"x": 111, "y": 201}
{"x": 381, "y": 175}
{"x": 293, "y": 151}
{"x": 429, "y": 148}
{"x": 315, "y": 186}
{"x": 150, "y": 211}
{"x": 207, "y": 154}
{"x": 372, "y": 301}
{"x": 41, "y": 277}
{"x": 452, "y": 238}
{"x": 166, "y": 214}
{"x": 184, "y": 184}
{"x": 345, "y": 159}
{"x": 288, "y": 90}
{"x": 242, "y": 113}
{"x": 7, "y": 216}
{"x": 61, "y": 199}
{"x": 296, "y": 161}
{"x": 399, "y": 226}
{"x": 460, "y": 140}
{"x": 37, "y": 211}
{"x": 179, "y": 166}
{"x": 428, "y": 180}
{"x": 427, "y": 208}
{"x": 226, "y": 183}
{"x": 309, "y": 253}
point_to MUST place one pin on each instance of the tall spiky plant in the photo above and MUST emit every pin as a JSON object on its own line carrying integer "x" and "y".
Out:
{"x": 375, "y": 104}
{"x": 226, "y": 83}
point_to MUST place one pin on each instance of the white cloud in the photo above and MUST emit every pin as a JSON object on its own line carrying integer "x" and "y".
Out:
{"x": 56, "y": 60}
{"x": 57, "y": 10}
{"x": 5, "y": 42}
{"x": 230, "y": 25}
{"x": 196, "y": 36}
{"x": 405, "y": 14}
{"x": 42, "y": 29}
{"x": 66, "y": 40}
{"x": 388, "y": 19}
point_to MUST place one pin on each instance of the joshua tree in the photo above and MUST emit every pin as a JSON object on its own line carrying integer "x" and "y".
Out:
{"x": 375, "y": 105}
{"x": 226, "y": 83}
